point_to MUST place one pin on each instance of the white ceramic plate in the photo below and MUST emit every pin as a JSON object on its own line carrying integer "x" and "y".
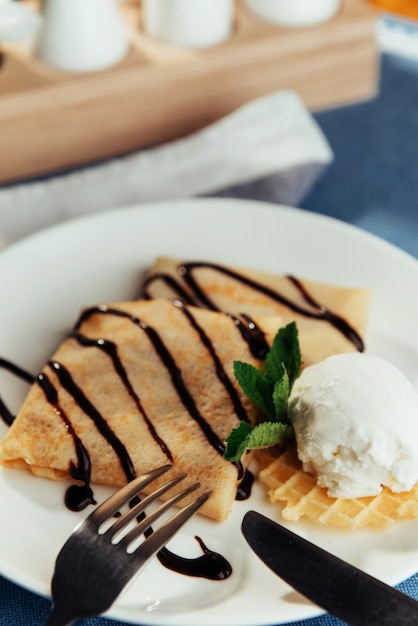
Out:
{"x": 44, "y": 281}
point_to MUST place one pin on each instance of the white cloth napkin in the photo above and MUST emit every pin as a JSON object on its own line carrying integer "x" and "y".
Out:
{"x": 270, "y": 149}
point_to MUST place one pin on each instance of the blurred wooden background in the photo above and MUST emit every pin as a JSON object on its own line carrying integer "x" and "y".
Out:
{"x": 50, "y": 120}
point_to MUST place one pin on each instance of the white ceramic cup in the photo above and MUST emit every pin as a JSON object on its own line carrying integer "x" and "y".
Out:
{"x": 81, "y": 35}
{"x": 18, "y": 22}
{"x": 191, "y": 23}
{"x": 294, "y": 13}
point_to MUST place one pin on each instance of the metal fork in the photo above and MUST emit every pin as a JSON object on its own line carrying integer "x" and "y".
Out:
{"x": 96, "y": 563}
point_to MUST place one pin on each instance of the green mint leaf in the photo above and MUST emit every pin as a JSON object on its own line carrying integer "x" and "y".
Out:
{"x": 280, "y": 396}
{"x": 235, "y": 443}
{"x": 256, "y": 386}
{"x": 285, "y": 351}
{"x": 246, "y": 438}
{"x": 270, "y": 390}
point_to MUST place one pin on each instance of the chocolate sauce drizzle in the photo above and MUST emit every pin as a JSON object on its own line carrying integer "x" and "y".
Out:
{"x": 198, "y": 297}
{"x": 171, "y": 366}
{"x": 110, "y": 348}
{"x": 209, "y": 564}
{"x": 220, "y": 371}
{"x": 245, "y": 486}
{"x": 90, "y": 410}
{"x": 6, "y": 415}
{"x": 77, "y": 497}
{"x": 252, "y": 335}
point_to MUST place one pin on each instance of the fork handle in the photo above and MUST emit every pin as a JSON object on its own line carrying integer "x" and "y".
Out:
{"x": 57, "y": 618}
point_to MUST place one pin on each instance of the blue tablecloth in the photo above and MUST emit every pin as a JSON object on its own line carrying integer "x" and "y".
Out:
{"x": 373, "y": 183}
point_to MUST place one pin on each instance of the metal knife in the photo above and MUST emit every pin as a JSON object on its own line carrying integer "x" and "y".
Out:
{"x": 334, "y": 585}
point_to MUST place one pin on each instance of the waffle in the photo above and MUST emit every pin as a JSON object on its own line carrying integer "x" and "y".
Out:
{"x": 287, "y": 483}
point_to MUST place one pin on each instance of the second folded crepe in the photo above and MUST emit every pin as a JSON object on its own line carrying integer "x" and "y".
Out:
{"x": 331, "y": 319}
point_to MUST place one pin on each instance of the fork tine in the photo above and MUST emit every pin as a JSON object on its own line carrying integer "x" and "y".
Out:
{"x": 112, "y": 505}
{"x": 162, "y": 535}
{"x": 142, "y": 505}
{"x": 142, "y": 526}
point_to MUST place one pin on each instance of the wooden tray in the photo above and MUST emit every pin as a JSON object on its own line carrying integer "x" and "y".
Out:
{"x": 51, "y": 120}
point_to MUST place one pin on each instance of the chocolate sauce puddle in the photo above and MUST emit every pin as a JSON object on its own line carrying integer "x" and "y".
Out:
{"x": 210, "y": 565}
{"x": 200, "y": 298}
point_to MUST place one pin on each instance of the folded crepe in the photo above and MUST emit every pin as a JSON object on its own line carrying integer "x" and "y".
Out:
{"x": 137, "y": 385}
{"x": 331, "y": 319}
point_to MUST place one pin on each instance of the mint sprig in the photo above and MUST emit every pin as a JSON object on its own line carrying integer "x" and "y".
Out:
{"x": 269, "y": 389}
{"x": 246, "y": 437}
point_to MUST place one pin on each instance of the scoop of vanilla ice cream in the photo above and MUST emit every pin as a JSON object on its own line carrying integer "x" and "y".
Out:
{"x": 355, "y": 418}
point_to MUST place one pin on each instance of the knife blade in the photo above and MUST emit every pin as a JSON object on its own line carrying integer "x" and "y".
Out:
{"x": 334, "y": 585}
